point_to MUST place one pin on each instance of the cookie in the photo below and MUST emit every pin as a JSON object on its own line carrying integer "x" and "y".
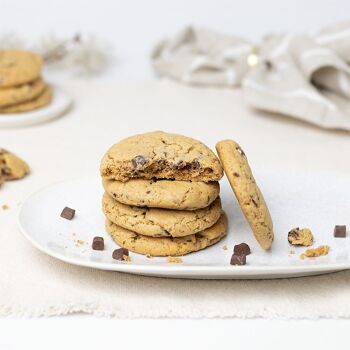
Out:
{"x": 40, "y": 101}
{"x": 157, "y": 222}
{"x": 163, "y": 156}
{"x": 22, "y": 93}
{"x": 298, "y": 236}
{"x": 18, "y": 67}
{"x": 11, "y": 166}
{"x": 178, "y": 195}
{"x": 167, "y": 246}
{"x": 250, "y": 198}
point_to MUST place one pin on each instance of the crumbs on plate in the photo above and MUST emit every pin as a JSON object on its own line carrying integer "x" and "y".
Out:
{"x": 174, "y": 260}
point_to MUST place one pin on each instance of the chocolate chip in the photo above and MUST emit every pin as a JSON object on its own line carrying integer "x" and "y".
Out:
{"x": 119, "y": 254}
{"x": 255, "y": 203}
{"x": 237, "y": 259}
{"x": 236, "y": 174}
{"x": 241, "y": 249}
{"x": 340, "y": 231}
{"x": 240, "y": 151}
{"x": 179, "y": 165}
{"x": 138, "y": 161}
{"x": 68, "y": 213}
{"x": 196, "y": 164}
{"x": 98, "y": 243}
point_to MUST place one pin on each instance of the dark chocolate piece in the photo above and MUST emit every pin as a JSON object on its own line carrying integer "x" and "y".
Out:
{"x": 98, "y": 243}
{"x": 118, "y": 254}
{"x": 241, "y": 249}
{"x": 237, "y": 259}
{"x": 340, "y": 231}
{"x": 196, "y": 164}
{"x": 68, "y": 213}
{"x": 138, "y": 161}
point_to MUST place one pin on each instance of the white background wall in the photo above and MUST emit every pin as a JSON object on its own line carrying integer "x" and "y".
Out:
{"x": 133, "y": 27}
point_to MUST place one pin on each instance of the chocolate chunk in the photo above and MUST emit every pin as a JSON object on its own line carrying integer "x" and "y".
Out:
{"x": 241, "y": 249}
{"x": 340, "y": 231}
{"x": 119, "y": 254}
{"x": 236, "y": 174}
{"x": 138, "y": 161}
{"x": 68, "y": 213}
{"x": 196, "y": 164}
{"x": 98, "y": 243}
{"x": 237, "y": 259}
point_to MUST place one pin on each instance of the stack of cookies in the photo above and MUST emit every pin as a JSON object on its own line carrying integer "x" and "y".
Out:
{"x": 21, "y": 87}
{"x": 162, "y": 194}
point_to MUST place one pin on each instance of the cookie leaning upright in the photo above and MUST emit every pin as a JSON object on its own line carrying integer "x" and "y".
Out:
{"x": 162, "y": 156}
{"x": 250, "y": 198}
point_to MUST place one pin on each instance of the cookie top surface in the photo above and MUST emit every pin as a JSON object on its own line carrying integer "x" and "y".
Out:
{"x": 39, "y": 101}
{"x": 250, "y": 198}
{"x": 19, "y": 67}
{"x": 178, "y": 195}
{"x": 163, "y": 156}
{"x": 157, "y": 222}
{"x": 166, "y": 246}
{"x": 11, "y": 166}
{"x": 22, "y": 93}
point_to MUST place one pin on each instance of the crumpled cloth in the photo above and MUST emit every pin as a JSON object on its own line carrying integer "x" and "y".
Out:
{"x": 306, "y": 76}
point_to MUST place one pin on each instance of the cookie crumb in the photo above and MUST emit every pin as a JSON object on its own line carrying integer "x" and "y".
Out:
{"x": 126, "y": 258}
{"x": 224, "y": 247}
{"x": 291, "y": 251}
{"x": 174, "y": 260}
{"x": 316, "y": 252}
{"x": 298, "y": 236}
{"x": 149, "y": 256}
{"x": 4, "y": 207}
{"x": 79, "y": 242}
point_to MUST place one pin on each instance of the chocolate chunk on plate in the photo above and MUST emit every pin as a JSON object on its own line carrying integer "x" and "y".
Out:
{"x": 238, "y": 259}
{"x": 68, "y": 213}
{"x": 340, "y": 231}
{"x": 98, "y": 243}
{"x": 241, "y": 249}
{"x": 120, "y": 253}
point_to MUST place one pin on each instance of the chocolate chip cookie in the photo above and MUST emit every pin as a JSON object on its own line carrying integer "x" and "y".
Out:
{"x": 166, "y": 246}
{"x": 162, "y": 156}
{"x": 11, "y": 166}
{"x": 19, "y": 67}
{"x": 22, "y": 93}
{"x": 250, "y": 198}
{"x": 158, "y": 222}
{"x": 178, "y": 195}
{"x": 40, "y": 101}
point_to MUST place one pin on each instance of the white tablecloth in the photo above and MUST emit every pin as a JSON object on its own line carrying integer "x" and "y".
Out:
{"x": 35, "y": 284}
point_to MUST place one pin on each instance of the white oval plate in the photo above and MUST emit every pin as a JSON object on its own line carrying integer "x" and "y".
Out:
{"x": 295, "y": 199}
{"x": 60, "y": 103}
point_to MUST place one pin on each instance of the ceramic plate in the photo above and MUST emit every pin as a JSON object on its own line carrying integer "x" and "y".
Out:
{"x": 317, "y": 201}
{"x": 61, "y": 102}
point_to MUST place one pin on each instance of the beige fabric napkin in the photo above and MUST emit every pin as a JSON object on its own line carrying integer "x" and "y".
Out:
{"x": 32, "y": 283}
{"x": 306, "y": 76}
